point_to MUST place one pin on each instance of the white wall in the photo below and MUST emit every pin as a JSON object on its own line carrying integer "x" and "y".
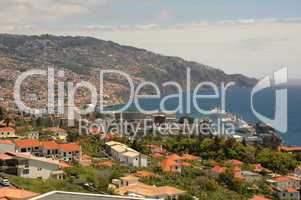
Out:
{"x": 7, "y": 148}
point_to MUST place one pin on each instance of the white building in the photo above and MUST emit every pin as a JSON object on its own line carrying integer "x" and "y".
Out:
{"x": 7, "y": 132}
{"x": 7, "y": 145}
{"x": 70, "y": 151}
{"x": 29, "y": 166}
{"x": 288, "y": 194}
{"x": 125, "y": 154}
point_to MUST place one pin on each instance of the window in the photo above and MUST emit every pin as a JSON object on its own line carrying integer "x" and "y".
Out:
{"x": 39, "y": 169}
{"x": 26, "y": 171}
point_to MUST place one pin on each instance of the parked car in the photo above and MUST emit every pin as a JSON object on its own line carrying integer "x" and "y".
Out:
{"x": 4, "y": 182}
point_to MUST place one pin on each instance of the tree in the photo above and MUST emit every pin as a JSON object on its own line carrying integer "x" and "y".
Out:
{"x": 277, "y": 161}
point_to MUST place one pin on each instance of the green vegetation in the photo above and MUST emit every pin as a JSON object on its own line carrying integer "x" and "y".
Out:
{"x": 197, "y": 183}
{"x": 221, "y": 149}
{"x": 91, "y": 145}
{"x": 277, "y": 161}
{"x": 43, "y": 186}
{"x": 197, "y": 179}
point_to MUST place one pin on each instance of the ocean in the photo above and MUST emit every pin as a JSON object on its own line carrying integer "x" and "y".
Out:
{"x": 238, "y": 102}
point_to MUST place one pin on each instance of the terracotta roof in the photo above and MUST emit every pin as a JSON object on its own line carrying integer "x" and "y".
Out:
{"x": 294, "y": 177}
{"x": 291, "y": 190}
{"x": 95, "y": 130}
{"x": 259, "y": 168}
{"x": 50, "y": 145}
{"x": 170, "y": 163}
{"x": 4, "y": 156}
{"x": 145, "y": 174}
{"x": 236, "y": 162}
{"x": 6, "y": 142}
{"x": 150, "y": 191}
{"x": 259, "y": 198}
{"x": 27, "y": 143}
{"x": 171, "y": 190}
{"x": 141, "y": 189}
{"x": 289, "y": 149}
{"x": 64, "y": 165}
{"x": 7, "y": 129}
{"x": 282, "y": 179}
{"x": 11, "y": 193}
{"x": 218, "y": 169}
{"x": 69, "y": 147}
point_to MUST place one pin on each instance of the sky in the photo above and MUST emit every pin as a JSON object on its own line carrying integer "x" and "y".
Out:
{"x": 252, "y": 37}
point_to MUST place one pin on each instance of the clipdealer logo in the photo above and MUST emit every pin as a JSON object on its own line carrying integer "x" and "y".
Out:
{"x": 280, "y": 119}
{"x": 219, "y": 93}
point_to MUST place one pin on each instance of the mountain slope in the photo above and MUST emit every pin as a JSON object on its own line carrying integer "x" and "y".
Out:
{"x": 83, "y": 56}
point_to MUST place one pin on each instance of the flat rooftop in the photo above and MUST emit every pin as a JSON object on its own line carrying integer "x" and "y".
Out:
{"x": 58, "y": 195}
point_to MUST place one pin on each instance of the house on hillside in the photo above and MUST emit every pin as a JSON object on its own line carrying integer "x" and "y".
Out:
{"x": 27, "y": 146}
{"x": 50, "y": 148}
{"x": 29, "y": 166}
{"x": 288, "y": 149}
{"x": 7, "y": 132}
{"x": 126, "y": 155}
{"x": 70, "y": 151}
{"x": 289, "y": 193}
{"x": 286, "y": 187}
{"x": 130, "y": 186}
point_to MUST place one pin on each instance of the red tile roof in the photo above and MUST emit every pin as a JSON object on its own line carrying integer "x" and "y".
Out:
{"x": 170, "y": 163}
{"x": 64, "y": 165}
{"x": 6, "y": 142}
{"x": 27, "y": 143}
{"x": 236, "y": 162}
{"x": 282, "y": 179}
{"x": 11, "y": 193}
{"x": 289, "y": 149}
{"x": 218, "y": 169}
{"x": 71, "y": 147}
{"x": 50, "y": 145}
{"x": 291, "y": 190}
{"x": 7, "y": 129}
{"x": 4, "y": 156}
